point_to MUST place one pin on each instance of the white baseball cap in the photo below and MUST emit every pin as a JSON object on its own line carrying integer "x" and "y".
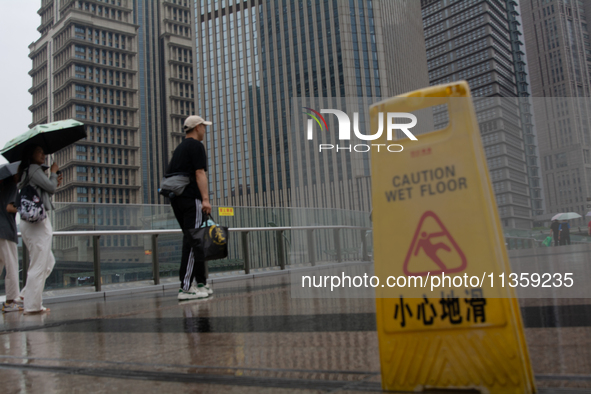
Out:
{"x": 193, "y": 121}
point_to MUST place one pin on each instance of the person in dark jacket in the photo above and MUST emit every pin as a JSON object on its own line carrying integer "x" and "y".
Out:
{"x": 554, "y": 227}
{"x": 8, "y": 243}
{"x": 564, "y": 236}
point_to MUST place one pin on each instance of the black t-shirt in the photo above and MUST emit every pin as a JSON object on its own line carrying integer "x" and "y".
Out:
{"x": 187, "y": 158}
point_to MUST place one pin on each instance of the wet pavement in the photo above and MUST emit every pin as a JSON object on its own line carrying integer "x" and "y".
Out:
{"x": 250, "y": 337}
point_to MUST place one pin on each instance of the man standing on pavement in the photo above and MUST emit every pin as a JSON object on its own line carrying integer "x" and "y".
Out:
{"x": 190, "y": 158}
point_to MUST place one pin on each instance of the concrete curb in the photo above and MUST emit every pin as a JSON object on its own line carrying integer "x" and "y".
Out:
{"x": 73, "y": 297}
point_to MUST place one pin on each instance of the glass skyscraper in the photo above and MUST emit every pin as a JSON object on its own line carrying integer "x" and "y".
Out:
{"x": 559, "y": 53}
{"x": 478, "y": 41}
{"x": 258, "y": 61}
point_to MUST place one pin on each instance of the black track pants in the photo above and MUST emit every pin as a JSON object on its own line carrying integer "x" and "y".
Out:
{"x": 189, "y": 215}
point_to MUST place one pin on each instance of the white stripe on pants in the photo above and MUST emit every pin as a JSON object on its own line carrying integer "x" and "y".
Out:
{"x": 9, "y": 259}
{"x": 37, "y": 238}
{"x": 191, "y": 262}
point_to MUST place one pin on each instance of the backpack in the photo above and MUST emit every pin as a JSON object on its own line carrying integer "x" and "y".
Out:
{"x": 30, "y": 206}
{"x": 565, "y": 229}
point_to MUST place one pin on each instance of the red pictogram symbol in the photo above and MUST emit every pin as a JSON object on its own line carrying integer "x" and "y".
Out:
{"x": 426, "y": 245}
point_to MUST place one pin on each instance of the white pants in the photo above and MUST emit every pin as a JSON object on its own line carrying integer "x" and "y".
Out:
{"x": 9, "y": 259}
{"x": 37, "y": 238}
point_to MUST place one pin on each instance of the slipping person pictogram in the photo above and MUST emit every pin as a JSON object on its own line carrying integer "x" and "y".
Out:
{"x": 430, "y": 249}
{"x": 424, "y": 240}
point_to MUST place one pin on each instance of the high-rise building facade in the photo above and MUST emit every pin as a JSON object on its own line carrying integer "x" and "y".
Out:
{"x": 532, "y": 153}
{"x": 559, "y": 55}
{"x": 85, "y": 68}
{"x": 166, "y": 85}
{"x": 124, "y": 68}
{"x": 261, "y": 62}
{"x": 478, "y": 41}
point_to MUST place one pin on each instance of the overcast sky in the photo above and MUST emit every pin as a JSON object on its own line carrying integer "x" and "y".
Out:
{"x": 18, "y": 28}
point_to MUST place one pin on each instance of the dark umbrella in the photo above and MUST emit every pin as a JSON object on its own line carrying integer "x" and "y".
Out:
{"x": 8, "y": 170}
{"x": 51, "y": 136}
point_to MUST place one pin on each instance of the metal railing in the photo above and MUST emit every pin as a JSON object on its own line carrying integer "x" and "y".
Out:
{"x": 532, "y": 243}
{"x": 526, "y": 243}
{"x": 245, "y": 245}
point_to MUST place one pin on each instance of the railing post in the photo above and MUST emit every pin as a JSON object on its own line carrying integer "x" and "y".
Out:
{"x": 245, "y": 253}
{"x": 280, "y": 249}
{"x": 25, "y": 264}
{"x": 311, "y": 250}
{"x": 155, "y": 262}
{"x": 337, "y": 244}
{"x": 364, "y": 254}
{"x": 97, "y": 262}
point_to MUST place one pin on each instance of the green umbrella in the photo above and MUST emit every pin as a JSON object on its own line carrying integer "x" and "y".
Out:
{"x": 51, "y": 136}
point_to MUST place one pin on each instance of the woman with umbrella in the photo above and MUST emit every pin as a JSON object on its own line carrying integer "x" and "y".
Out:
{"x": 32, "y": 146}
{"x": 37, "y": 236}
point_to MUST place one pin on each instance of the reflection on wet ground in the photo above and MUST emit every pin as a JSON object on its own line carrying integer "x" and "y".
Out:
{"x": 250, "y": 337}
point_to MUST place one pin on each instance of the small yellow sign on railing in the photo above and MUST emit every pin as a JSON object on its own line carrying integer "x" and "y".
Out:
{"x": 226, "y": 211}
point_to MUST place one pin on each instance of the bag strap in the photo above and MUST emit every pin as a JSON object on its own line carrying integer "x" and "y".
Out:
{"x": 206, "y": 217}
{"x": 27, "y": 183}
{"x": 177, "y": 174}
{"x": 27, "y": 177}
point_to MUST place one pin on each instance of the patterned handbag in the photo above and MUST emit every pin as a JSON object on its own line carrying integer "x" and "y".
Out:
{"x": 30, "y": 206}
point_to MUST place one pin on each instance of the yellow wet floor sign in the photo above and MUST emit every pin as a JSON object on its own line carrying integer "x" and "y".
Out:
{"x": 434, "y": 215}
